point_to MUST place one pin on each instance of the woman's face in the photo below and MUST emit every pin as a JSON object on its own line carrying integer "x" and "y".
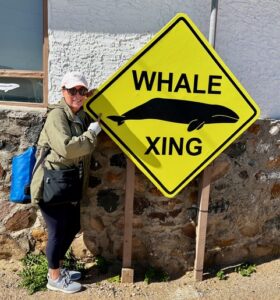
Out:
{"x": 75, "y": 97}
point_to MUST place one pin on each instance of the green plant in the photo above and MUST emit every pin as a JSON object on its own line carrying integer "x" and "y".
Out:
{"x": 221, "y": 275}
{"x": 35, "y": 270}
{"x": 71, "y": 263}
{"x": 155, "y": 275}
{"x": 116, "y": 279}
{"x": 34, "y": 274}
{"x": 102, "y": 264}
{"x": 246, "y": 269}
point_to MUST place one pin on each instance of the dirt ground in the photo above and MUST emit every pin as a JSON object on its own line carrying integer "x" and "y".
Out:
{"x": 263, "y": 284}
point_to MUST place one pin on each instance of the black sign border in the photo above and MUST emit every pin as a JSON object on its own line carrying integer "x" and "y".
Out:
{"x": 203, "y": 44}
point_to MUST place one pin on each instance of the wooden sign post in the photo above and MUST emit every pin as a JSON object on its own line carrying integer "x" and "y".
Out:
{"x": 127, "y": 271}
{"x": 204, "y": 189}
{"x": 204, "y": 192}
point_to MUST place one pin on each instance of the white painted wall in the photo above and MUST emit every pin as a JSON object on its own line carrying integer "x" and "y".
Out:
{"x": 97, "y": 37}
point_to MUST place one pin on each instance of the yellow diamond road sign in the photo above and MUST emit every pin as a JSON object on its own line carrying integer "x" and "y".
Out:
{"x": 174, "y": 106}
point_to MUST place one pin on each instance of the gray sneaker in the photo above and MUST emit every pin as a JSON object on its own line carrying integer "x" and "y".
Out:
{"x": 74, "y": 275}
{"x": 63, "y": 284}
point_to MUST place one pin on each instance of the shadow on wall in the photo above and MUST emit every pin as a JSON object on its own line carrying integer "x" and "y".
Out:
{"x": 110, "y": 16}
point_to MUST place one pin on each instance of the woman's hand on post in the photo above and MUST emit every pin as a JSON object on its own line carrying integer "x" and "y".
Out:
{"x": 94, "y": 127}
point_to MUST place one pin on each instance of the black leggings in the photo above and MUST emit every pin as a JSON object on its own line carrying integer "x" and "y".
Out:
{"x": 63, "y": 223}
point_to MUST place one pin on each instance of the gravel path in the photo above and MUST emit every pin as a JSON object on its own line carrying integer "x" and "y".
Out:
{"x": 262, "y": 285}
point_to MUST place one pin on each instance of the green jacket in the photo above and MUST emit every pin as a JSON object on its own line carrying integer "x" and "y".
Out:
{"x": 70, "y": 142}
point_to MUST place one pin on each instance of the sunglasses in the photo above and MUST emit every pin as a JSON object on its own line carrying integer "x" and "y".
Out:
{"x": 73, "y": 91}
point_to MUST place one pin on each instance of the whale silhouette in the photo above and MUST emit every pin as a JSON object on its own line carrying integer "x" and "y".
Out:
{"x": 195, "y": 114}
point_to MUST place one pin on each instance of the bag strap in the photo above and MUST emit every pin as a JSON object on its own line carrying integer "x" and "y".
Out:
{"x": 44, "y": 118}
{"x": 46, "y": 151}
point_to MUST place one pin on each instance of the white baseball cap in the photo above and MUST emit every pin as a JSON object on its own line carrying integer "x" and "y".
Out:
{"x": 72, "y": 79}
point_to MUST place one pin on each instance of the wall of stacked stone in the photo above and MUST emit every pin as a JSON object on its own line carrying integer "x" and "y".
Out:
{"x": 244, "y": 208}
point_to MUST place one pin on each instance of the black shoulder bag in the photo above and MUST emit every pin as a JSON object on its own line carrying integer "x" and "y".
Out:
{"x": 63, "y": 186}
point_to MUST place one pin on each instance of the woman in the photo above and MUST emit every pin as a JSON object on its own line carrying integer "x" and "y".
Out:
{"x": 71, "y": 138}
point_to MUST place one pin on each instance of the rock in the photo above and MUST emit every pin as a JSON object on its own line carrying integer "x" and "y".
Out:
{"x": 5, "y": 209}
{"x": 141, "y": 184}
{"x": 274, "y": 130}
{"x": 274, "y": 163}
{"x": 189, "y": 230}
{"x": 255, "y": 128}
{"x": 140, "y": 204}
{"x": 80, "y": 250}
{"x": 115, "y": 177}
{"x": 21, "y": 219}
{"x": 118, "y": 160}
{"x": 158, "y": 215}
{"x": 96, "y": 224}
{"x": 236, "y": 149}
{"x": 219, "y": 169}
{"x": 108, "y": 199}
{"x": 40, "y": 237}
{"x": 249, "y": 229}
{"x": 94, "y": 181}
{"x": 275, "y": 191}
{"x": 9, "y": 248}
{"x": 231, "y": 255}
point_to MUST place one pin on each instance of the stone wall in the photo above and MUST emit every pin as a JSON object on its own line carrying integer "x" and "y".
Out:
{"x": 244, "y": 208}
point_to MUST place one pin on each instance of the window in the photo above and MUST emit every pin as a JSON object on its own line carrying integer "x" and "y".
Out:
{"x": 23, "y": 52}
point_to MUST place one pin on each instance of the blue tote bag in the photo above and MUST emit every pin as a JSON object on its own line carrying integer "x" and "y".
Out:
{"x": 22, "y": 167}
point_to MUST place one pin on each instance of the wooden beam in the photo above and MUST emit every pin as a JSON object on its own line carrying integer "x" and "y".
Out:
{"x": 127, "y": 275}
{"x": 21, "y": 74}
{"x": 127, "y": 272}
{"x": 204, "y": 192}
